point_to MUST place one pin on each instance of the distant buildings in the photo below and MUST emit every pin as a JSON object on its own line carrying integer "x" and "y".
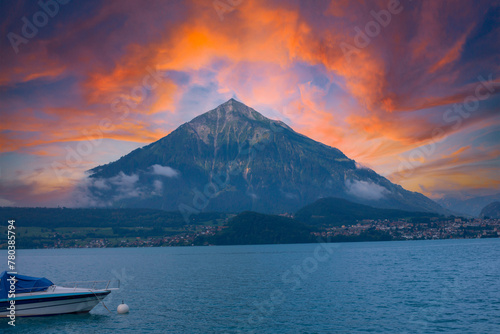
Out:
{"x": 367, "y": 229}
{"x": 457, "y": 228}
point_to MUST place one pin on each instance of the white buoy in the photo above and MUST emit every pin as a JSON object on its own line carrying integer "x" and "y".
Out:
{"x": 122, "y": 308}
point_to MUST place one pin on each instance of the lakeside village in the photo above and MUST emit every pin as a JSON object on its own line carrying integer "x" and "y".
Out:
{"x": 454, "y": 228}
{"x": 365, "y": 230}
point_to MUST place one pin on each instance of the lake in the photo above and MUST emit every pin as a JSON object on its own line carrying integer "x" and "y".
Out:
{"x": 376, "y": 287}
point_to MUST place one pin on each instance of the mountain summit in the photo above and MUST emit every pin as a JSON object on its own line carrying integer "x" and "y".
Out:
{"x": 232, "y": 159}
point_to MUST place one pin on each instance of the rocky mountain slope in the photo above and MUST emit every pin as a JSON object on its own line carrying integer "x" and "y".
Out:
{"x": 467, "y": 206}
{"x": 233, "y": 159}
{"x": 491, "y": 210}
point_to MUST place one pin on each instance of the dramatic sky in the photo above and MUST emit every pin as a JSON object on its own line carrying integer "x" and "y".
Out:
{"x": 410, "y": 90}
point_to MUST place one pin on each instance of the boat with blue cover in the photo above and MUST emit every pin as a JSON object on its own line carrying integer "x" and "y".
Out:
{"x": 38, "y": 296}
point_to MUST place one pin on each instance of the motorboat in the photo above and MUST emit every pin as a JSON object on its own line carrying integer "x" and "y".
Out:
{"x": 26, "y": 296}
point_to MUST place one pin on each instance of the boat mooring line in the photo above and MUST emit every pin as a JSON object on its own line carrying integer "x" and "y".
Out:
{"x": 101, "y": 302}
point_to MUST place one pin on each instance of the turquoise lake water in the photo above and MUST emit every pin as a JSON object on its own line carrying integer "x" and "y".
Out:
{"x": 374, "y": 287}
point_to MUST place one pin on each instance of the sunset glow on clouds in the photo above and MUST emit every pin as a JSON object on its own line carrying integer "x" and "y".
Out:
{"x": 417, "y": 99}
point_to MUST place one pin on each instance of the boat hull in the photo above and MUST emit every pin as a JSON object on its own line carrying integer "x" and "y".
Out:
{"x": 30, "y": 306}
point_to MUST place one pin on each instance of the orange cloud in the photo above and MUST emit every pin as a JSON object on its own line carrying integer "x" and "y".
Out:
{"x": 387, "y": 94}
{"x": 453, "y": 54}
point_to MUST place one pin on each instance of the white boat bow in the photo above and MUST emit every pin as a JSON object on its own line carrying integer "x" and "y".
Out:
{"x": 42, "y": 300}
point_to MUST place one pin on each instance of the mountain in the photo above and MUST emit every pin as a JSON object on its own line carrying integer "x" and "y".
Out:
{"x": 467, "y": 206}
{"x": 233, "y": 159}
{"x": 252, "y": 228}
{"x": 491, "y": 210}
{"x": 338, "y": 211}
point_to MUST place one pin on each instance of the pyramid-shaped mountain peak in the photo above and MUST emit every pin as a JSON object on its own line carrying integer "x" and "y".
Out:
{"x": 231, "y": 159}
{"x": 232, "y": 101}
{"x": 228, "y": 119}
{"x": 233, "y": 108}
